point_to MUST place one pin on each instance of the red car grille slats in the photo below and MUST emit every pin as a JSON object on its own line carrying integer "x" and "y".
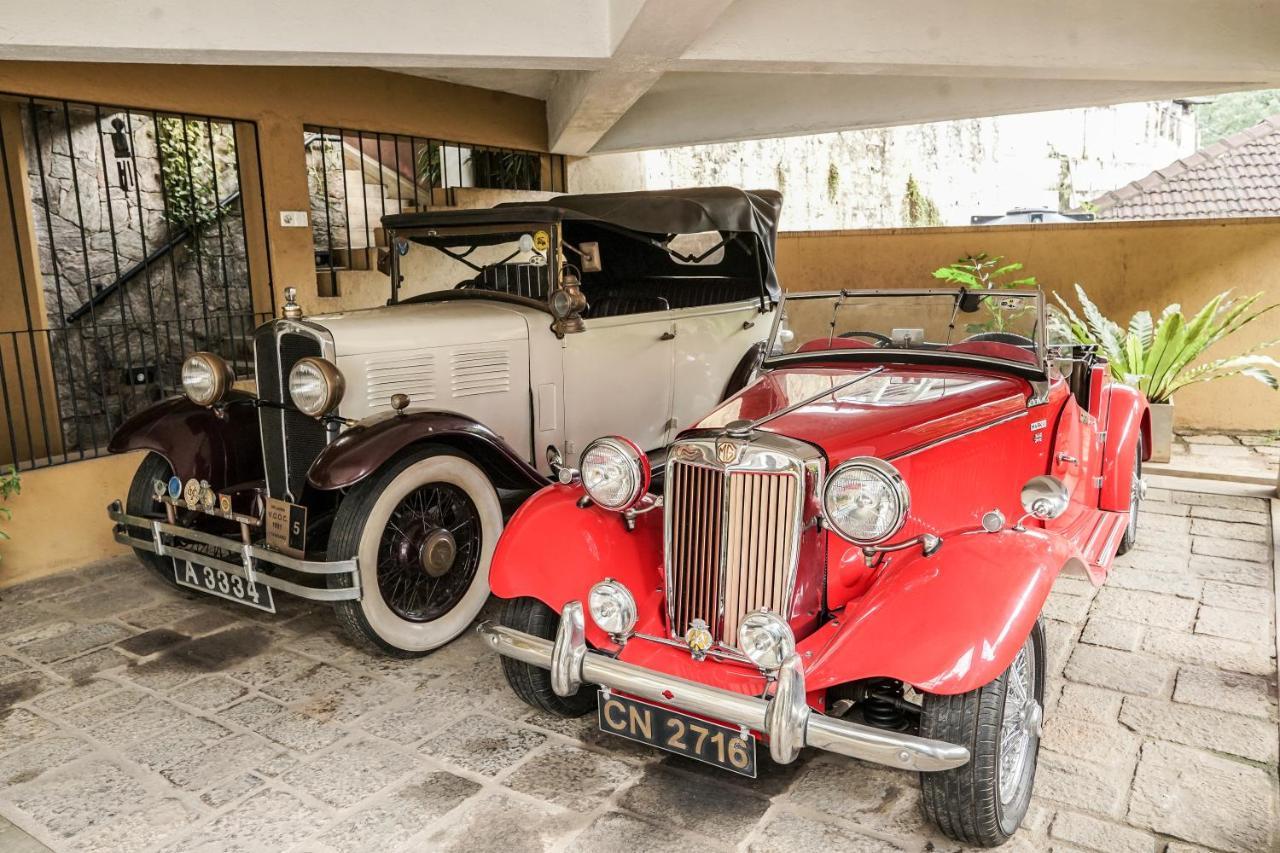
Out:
{"x": 732, "y": 545}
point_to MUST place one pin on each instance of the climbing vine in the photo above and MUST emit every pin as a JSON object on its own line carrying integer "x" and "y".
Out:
{"x": 188, "y": 170}
{"x": 917, "y": 208}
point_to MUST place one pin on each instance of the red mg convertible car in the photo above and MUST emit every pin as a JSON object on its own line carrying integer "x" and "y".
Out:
{"x": 851, "y": 553}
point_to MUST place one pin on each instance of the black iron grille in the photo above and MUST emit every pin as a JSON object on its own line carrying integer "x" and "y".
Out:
{"x": 290, "y": 440}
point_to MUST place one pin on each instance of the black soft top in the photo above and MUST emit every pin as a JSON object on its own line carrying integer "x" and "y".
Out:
{"x": 658, "y": 213}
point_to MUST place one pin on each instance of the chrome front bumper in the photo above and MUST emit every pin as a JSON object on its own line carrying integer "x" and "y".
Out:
{"x": 248, "y": 557}
{"x": 786, "y": 719}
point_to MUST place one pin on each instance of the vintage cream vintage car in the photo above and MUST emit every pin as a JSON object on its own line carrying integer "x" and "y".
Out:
{"x": 384, "y": 448}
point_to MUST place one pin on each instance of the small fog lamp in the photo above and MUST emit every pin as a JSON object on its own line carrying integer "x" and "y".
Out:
{"x": 206, "y": 378}
{"x": 612, "y": 608}
{"x": 766, "y": 638}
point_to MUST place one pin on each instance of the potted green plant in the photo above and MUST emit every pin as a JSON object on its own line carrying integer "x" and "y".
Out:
{"x": 1156, "y": 356}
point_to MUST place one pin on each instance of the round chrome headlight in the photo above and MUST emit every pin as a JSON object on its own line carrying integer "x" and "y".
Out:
{"x": 766, "y": 638}
{"x": 865, "y": 500}
{"x": 615, "y": 472}
{"x": 612, "y": 608}
{"x": 206, "y": 378}
{"x": 316, "y": 386}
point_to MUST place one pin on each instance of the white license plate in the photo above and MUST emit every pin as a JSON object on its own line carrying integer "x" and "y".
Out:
{"x": 223, "y": 585}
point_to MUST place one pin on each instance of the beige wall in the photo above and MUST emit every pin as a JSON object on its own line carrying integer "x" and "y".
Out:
{"x": 1124, "y": 266}
{"x": 60, "y": 519}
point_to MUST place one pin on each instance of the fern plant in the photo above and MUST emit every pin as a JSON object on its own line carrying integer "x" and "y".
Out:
{"x": 1156, "y": 356}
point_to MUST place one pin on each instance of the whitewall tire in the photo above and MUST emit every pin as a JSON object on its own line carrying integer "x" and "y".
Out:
{"x": 423, "y": 529}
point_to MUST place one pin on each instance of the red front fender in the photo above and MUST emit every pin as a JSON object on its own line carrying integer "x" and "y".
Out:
{"x": 947, "y": 623}
{"x": 554, "y": 551}
{"x": 1128, "y": 418}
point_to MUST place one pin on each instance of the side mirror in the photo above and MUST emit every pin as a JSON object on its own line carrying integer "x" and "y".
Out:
{"x": 1045, "y": 497}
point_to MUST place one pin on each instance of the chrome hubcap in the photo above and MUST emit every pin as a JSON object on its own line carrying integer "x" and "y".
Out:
{"x": 1020, "y": 725}
{"x": 437, "y": 552}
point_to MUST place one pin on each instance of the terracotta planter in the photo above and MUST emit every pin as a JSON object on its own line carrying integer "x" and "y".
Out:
{"x": 1161, "y": 431}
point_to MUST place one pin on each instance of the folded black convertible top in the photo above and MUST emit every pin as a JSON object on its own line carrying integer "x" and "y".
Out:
{"x": 653, "y": 212}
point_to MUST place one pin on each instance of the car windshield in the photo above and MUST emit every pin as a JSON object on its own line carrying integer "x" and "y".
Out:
{"x": 512, "y": 260}
{"x": 1004, "y": 325}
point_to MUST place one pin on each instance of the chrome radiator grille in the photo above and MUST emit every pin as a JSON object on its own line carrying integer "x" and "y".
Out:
{"x": 732, "y": 540}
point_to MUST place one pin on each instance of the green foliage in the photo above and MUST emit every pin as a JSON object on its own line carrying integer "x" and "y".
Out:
{"x": 983, "y": 272}
{"x": 492, "y": 169}
{"x": 188, "y": 170}
{"x": 833, "y": 182}
{"x": 1155, "y": 356}
{"x": 917, "y": 208}
{"x": 1227, "y": 114}
{"x": 10, "y": 485}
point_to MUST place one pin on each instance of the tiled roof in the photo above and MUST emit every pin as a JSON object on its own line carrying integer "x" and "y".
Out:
{"x": 1238, "y": 175}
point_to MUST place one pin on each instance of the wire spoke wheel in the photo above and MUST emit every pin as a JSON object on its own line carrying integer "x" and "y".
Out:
{"x": 1019, "y": 725}
{"x": 429, "y": 552}
{"x": 422, "y": 530}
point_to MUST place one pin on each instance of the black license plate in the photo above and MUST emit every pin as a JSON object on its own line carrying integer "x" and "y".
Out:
{"x": 219, "y": 583}
{"x": 712, "y": 743}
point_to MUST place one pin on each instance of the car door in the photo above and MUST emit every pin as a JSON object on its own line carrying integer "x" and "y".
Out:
{"x": 710, "y": 342}
{"x": 618, "y": 380}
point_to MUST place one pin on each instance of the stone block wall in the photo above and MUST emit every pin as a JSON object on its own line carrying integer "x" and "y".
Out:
{"x": 103, "y": 212}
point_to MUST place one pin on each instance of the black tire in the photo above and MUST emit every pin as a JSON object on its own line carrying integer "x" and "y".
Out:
{"x": 965, "y": 803}
{"x": 1135, "y": 502}
{"x": 378, "y": 621}
{"x": 141, "y": 501}
{"x": 533, "y": 683}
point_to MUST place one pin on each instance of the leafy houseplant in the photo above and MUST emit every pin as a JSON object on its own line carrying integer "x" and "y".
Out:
{"x": 1156, "y": 356}
{"x": 983, "y": 272}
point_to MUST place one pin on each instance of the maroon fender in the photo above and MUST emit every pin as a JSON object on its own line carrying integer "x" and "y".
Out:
{"x": 1128, "y": 418}
{"x": 947, "y": 623}
{"x": 554, "y": 551}
{"x": 220, "y": 444}
{"x": 368, "y": 445}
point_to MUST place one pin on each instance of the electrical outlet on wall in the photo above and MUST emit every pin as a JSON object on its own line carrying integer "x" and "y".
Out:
{"x": 293, "y": 219}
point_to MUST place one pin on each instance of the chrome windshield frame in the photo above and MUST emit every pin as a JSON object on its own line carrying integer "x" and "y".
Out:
{"x": 1040, "y": 369}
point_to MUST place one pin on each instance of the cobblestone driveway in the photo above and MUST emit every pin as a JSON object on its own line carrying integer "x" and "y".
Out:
{"x": 135, "y": 718}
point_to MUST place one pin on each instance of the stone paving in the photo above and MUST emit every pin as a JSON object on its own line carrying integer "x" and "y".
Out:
{"x": 136, "y": 718}
{"x": 1248, "y": 456}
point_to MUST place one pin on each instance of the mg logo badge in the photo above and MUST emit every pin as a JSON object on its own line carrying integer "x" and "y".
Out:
{"x": 726, "y": 452}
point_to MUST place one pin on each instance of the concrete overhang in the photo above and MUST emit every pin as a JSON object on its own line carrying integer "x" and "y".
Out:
{"x": 621, "y": 75}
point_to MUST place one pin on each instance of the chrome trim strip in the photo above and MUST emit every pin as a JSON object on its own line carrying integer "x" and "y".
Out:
{"x": 788, "y": 722}
{"x": 249, "y": 555}
{"x": 956, "y": 435}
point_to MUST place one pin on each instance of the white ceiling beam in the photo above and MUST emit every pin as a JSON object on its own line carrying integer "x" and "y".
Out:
{"x": 1172, "y": 40}
{"x": 583, "y": 105}
{"x": 692, "y": 109}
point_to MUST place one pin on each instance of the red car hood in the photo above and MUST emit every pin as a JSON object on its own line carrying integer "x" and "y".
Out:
{"x": 882, "y": 411}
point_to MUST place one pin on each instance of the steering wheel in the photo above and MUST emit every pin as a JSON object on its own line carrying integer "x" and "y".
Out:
{"x": 1001, "y": 338}
{"x": 881, "y": 340}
